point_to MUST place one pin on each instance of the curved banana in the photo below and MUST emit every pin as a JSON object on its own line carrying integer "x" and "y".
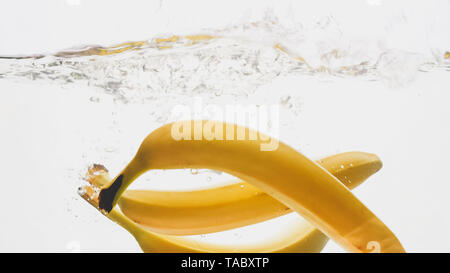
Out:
{"x": 231, "y": 206}
{"x": 352, "y": 168}
{"x": 301, "y": 237}
{"x": 283, "y": 173}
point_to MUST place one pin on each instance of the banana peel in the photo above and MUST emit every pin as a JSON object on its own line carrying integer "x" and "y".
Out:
{"x": 230, "y": 206}
{"x": 284, "y": 174}
{"x": 352, "y": 168}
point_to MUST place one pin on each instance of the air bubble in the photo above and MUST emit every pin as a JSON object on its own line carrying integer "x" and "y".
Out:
{"x": 81, "y": 191}
{"x": 94, "y": 99}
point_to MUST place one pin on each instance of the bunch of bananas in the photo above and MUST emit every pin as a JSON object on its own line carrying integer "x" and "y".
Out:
{"x": 273, "y": 183}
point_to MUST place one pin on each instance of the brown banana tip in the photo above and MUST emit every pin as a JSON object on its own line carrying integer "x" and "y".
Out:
{"x": 107, "y": 195}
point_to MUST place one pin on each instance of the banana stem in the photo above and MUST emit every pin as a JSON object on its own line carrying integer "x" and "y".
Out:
{"x": 109, "y": 195}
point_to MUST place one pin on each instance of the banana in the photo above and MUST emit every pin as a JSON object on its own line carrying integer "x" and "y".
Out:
{"x": 352, "y": 168}
{"x": 230, "y": 206}
{"x": 301, "y": 237}
{"x": 283, "y": 173}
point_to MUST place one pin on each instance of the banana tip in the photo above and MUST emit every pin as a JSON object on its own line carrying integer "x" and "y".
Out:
{"x": 107, "y": 195}
{"x": 378, "y": 164}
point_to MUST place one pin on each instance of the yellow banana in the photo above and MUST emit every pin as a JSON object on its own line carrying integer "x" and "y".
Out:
{"x": 351, "y": 167}
{"x": 301, "y": 236}
{"x": 283, "y": 173}
{"x": 230, "y": 206}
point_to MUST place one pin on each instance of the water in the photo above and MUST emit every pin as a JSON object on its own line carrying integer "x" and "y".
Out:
{"x": 337, "y": 92}
{"x": 234, "y": 61}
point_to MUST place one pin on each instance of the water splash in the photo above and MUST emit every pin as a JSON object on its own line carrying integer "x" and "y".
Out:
{"x": 232, "y": 61}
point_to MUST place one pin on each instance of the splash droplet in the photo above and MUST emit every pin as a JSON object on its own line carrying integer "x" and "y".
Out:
{"x": 81, "y": 191}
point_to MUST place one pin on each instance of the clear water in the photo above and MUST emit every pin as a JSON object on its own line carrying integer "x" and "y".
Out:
{"x": 69, "y": 109}
{"x": 232, "y": 61}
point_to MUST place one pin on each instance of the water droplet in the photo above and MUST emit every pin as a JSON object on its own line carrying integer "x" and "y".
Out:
{"x": 285, "y": 101}
{"x": 110, "y": 149}
{"x": 342, "y": 166}
{"x": 81, "y": 191}
{"x": 161, "y": 119}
